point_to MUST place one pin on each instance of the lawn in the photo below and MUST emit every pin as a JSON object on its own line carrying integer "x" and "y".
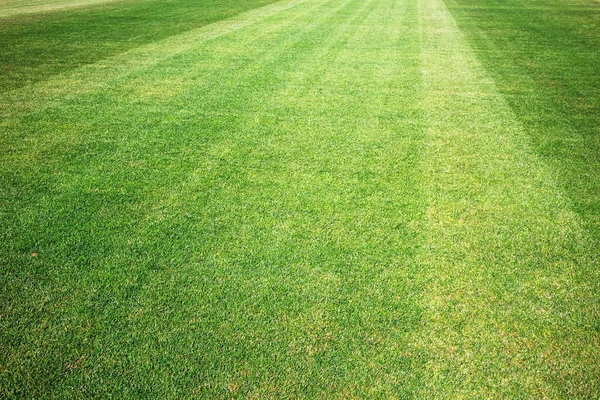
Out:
{"x": 300, "y": 199}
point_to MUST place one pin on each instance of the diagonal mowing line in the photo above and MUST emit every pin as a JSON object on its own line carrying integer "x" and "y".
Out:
{"x": 159, "y": 68}
{"x": 45, "y": 137}
{"x": 512, "y": 277}
{"x": 94, "y": 77}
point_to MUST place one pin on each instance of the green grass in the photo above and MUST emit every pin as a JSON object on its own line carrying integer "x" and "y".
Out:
{"x": 513, "y": 272}
{"x": 545, "y": 63}
{"x": 302, "y": 199}
{"x": 37, "y": 45}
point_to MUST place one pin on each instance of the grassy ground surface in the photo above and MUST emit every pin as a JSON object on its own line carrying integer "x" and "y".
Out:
{"x": 14, "y": 7}
{"x": 37, "y": 43}
{"x": 308, "y": 198}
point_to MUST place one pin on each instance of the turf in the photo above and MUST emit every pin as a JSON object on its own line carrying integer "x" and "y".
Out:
{"x": 545, "y": 63}
{"x": 37, "y": 43}
{"x": 308, "y": 198}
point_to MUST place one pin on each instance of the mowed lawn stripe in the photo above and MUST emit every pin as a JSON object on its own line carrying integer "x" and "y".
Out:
{"x": 129, "y": 109}
{"x": 108, "y": 72}
{"x": 34, "y": 47}
{"x": 544, "y": 57}
{"x": 239, "y": 218}
{"x": 511, "y": 296}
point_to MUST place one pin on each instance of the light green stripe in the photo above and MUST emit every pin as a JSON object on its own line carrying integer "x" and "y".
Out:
{"x": 506, "y": 255}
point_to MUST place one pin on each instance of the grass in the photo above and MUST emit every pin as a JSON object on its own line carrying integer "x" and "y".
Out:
{"x": 299, "y": 199}
{"x": 545, "y": 65}
{"x": 513, "y": 271}
{"x": 38, "y": 45}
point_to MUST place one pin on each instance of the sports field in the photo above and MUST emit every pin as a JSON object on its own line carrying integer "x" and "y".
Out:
{"x": 326, "y": 199}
